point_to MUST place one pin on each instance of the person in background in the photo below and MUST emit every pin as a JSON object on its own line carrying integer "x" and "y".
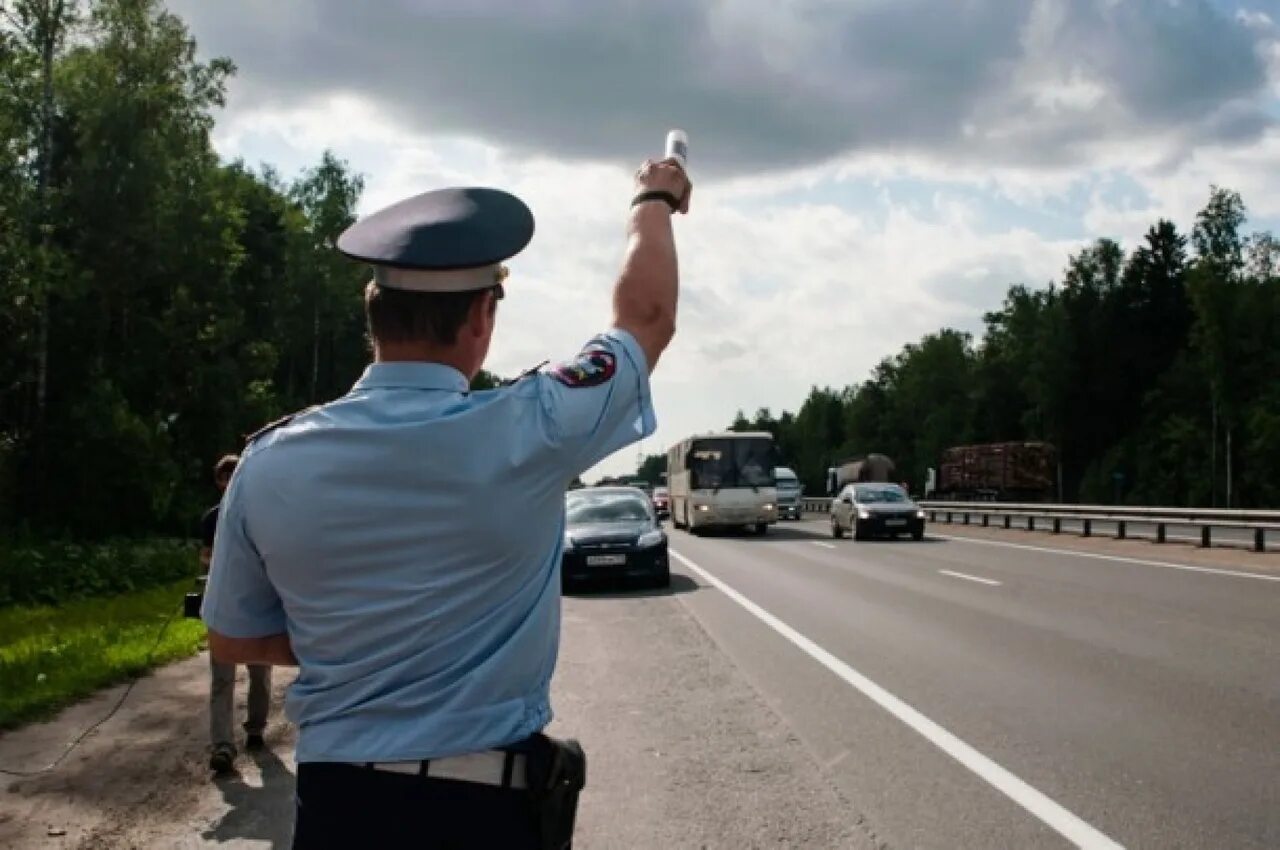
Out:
{"x": 222, "y": 683}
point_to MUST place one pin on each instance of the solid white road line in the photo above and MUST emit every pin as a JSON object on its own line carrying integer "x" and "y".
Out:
{"x": 823, "y": 545}
{"x": 1051, "y": 813}
{"x": 972, "y": 578}
{"x": 1162, "y": 564}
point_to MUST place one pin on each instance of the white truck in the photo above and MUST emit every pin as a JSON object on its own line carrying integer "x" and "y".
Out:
{"x": 789, "y": 492}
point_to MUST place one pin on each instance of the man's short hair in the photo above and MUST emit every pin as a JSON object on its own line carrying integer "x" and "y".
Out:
{"x": 225, "y": 466}
{"x": 398, "y": 315}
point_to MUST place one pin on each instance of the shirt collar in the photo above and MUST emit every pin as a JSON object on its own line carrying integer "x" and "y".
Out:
{"x": 412, "y": 375}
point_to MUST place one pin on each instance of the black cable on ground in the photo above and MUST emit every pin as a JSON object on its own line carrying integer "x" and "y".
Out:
{"x": 27, "y": 774}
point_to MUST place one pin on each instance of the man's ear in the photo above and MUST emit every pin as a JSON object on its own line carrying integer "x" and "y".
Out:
{"x": 481, "y": 315}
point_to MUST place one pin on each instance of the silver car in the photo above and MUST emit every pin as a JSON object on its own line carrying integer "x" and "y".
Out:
{"x": 871, "y": 510}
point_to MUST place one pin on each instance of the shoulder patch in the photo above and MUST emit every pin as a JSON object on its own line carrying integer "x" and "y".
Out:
{"x": 594, "y": 366}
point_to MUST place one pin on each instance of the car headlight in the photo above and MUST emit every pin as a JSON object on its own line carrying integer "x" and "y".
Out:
{"x": 919, "y": 514}
{"x": 704, "y": 507}
{"x": 864, "y": 515}
{"x": 767, "y": 506}
{"x": 650, "y": 538}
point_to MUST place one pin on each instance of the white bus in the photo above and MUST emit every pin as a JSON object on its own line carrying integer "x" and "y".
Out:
{"x": 723, "y": 480}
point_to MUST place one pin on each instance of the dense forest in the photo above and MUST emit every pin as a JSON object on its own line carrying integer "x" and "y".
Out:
{"x": 1156, "y": 373}
{"x": 157, "y": 303}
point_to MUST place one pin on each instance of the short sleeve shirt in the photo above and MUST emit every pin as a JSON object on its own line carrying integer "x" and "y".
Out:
{"x": 408, "y": 538}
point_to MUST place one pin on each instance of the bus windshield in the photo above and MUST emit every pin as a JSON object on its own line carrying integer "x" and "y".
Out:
{"x": 719, "y": 463}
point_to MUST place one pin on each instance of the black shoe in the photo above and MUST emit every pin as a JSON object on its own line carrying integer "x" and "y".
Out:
{"x": 222, "y": 759}
{"x": 253, "y": 743}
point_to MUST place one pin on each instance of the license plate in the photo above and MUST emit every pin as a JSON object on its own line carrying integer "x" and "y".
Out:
{"x": 606, "y": 560}
{"x": 895, "y": 522}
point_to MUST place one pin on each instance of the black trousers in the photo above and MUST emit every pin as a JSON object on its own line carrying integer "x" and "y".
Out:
{"x": 349, "y": 807}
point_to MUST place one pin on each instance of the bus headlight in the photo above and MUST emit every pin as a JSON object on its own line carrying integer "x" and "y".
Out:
{"x": 767, "y": 506}
{"x": 704, "y": 507}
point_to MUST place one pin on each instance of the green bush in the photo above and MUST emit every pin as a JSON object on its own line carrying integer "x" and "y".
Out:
{"x": 58, "y": 572}
{"x": 50, "y": 657}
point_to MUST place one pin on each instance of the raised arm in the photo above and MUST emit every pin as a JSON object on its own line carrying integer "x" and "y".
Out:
{"x": 644, "y": 298}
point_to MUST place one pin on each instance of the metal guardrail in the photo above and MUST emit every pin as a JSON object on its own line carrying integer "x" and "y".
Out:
{"x": 818, "y": 505}
{"x": 1204, "y": 519}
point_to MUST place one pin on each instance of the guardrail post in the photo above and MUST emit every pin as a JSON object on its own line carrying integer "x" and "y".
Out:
{"x": 966, "y": 517}
{"x": 1259, "y": 540}
{"x": 1031, "y": 523}
{"x": 948, "y": 517}
{"x": 1204, "y": 536}
{"x": 1057, "y": 525}
{"x": 986, "y": 520}
{"x": 1159, "y": 532}
{"x": 1120, "y": 530}
{"x": 1087, "y": 529}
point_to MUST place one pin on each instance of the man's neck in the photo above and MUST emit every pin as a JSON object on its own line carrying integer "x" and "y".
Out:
{"x": 417, "y": 353}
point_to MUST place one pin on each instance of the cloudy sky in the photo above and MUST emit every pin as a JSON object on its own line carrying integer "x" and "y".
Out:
{"x": 868, "y": 171}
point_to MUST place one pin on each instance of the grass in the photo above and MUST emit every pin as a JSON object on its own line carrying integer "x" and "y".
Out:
{"x": 52, "y": 656}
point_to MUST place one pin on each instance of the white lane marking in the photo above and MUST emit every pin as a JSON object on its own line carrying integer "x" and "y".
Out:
{"x": 1163, "y": 564}
{"x": 1051, "y": 813}
{"x": 823, "y": 545}
{"x": 972, "y": 578}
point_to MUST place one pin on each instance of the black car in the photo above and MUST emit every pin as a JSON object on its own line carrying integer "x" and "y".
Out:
{"x": 612, "y": 532}
{"x": 872, "y": 510}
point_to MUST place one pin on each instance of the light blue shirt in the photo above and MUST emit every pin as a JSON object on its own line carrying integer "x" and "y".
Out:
{"x": 408, "y": 539}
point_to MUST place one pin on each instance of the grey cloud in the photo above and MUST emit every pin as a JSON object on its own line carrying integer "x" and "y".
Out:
{"x": 758, "y": 84}
{"x": 724, "y": 349}
{"x": 1174, "y": 60}
{"x": 980, "y": 285}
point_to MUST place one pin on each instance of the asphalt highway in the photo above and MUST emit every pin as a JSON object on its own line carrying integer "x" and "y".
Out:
{"x": 964, "y": 693}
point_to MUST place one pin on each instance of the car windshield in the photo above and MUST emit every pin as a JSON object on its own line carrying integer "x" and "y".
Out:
{"x": 719, "y": 463}
{"x": 605, "y": 507}
{"x": 871, "y": 495}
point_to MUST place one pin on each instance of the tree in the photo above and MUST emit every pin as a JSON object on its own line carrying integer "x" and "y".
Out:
{"x": 485, "y": 380}
{"x": 1216, "y": 298}
{"x": 327, "y": 195}
{"x": 37, "y": 33}
{"x": 653, "y": 468}
{"x": 180, "y": 320}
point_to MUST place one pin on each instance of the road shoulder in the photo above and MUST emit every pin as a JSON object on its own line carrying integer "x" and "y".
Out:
{"x": 682, "y": 753}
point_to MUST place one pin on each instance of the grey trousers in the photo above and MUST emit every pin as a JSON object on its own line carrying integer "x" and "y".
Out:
{"x": 222, "y": 701}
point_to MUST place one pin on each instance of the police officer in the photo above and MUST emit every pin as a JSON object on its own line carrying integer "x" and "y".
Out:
{"x": 401, "y": 545}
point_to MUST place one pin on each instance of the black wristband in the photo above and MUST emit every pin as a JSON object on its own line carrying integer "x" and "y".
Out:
{"x": 657, "y": 195}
